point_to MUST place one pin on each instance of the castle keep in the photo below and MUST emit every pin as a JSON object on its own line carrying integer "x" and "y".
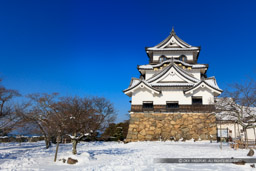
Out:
{"x": 173, "y": 98}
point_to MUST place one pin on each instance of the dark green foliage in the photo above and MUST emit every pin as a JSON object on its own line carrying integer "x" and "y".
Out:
{"x": 116, "y": 132}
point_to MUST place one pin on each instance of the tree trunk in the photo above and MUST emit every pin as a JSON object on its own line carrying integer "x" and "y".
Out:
{"x": 239, "y": 131}
{"x": 47, "y": 142}
{"x": 74, "y": 144}
{"x": 246, "y": 137}
{"x": 235, "y": 130}
{"x": 254, "y": 135}
{"x": 220, "y": 137}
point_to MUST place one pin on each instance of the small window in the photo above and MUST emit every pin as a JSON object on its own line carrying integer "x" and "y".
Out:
{"x": 183, "y": 58}
{"x": 172, "y": 105}
{"x": 162, "y": 59}
{"x": 197, "y": 100}
{"x": 148, "y": 105}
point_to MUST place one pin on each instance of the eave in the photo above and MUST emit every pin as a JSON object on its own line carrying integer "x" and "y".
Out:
{"x": 141, "y": 84}
{"x": 203, "y": 84}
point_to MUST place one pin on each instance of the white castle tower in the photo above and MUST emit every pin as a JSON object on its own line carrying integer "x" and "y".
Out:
{"x": 172, "y": 83}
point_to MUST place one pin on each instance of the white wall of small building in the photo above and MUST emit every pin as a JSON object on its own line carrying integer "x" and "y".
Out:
{"x": 236, "y": 130}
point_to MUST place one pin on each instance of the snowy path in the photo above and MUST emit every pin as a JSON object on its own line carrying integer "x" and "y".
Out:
{"x": 116, "y": 156}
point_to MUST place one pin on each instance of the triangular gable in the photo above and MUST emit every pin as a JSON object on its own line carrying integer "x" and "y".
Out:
{"x": 173, "y": 74}
{"x": 172, "y": 77}
{"x": 141, "y": 85}
{"x": 173, "y": 41}
{"x": 204, "y": 85}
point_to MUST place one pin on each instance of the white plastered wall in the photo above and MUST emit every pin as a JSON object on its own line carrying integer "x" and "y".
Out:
{"x": 149, "y": 74}
{"x": 205, "y": 93}
{"x": 141, "y": 95}
{"x": 196, "y": 73}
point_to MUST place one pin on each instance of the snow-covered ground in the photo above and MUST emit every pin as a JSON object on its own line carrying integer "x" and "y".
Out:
{"x": 117, "y": 156}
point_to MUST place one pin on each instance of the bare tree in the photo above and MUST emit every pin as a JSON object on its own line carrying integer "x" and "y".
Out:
{"x": 38, "y": 111}
{"x": 83, "y": 116}
{"x": 74, "y": 116}
{"x": 7, "y": 112}
{"x": 105, "y": 111}
{"x": 239, "y": 104}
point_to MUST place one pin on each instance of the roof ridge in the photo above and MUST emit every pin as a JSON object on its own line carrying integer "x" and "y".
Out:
{"x": 173, "y": 34}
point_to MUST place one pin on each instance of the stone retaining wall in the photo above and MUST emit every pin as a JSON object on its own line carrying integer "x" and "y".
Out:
{"x": 172, "y": 126}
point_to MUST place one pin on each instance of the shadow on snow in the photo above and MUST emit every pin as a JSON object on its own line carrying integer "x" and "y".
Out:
{"x": 113, "y": 151}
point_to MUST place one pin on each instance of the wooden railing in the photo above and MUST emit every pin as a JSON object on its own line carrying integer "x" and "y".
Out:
{"x": 243, "y": 144}
{"x": 181, "y": 108}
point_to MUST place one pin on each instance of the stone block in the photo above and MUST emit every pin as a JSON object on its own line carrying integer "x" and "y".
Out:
{"x": 150, "y": 133}
{"x": 176, "y": 126}
{"x": 148, "y": 137}
{"x": 173, "y": 122}
{"x": 143, "y": 132}
{"x": 152, "y": 128}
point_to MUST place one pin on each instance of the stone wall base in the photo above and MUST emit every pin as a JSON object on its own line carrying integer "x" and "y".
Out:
{"x": 172, "y": 126}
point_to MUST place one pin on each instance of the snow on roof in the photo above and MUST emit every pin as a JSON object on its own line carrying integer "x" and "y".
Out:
{"x": 225, "y": 115}
{"x": 212, "y": 82}
{"x": 226, "y": 112}
{"x": 134, "y": 81}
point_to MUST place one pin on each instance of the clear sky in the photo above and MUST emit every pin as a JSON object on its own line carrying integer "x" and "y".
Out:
{"x": 90, "y": 47}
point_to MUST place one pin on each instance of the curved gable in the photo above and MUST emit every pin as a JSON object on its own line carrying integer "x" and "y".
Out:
{"x": 203, "y": 85}
{"x": 141, "y": 85}
{"x": 173, "y": 71}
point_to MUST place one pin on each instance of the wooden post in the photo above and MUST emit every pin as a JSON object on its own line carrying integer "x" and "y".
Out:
{"x": 246, "y": 138}
{"x": 254, "y": 135}
{"x": 235, "y": 129}
{"x": 220, "y": 137}
{"x": 57, "y": 146}
{"x": 239, "y": 131}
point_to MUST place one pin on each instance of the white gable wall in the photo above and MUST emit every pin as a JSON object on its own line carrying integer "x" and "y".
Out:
{"x": 195, "y": 72}
{"x": 173, "y": 76}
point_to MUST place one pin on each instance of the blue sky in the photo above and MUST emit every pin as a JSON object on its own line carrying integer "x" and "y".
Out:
{"x": 91, "y": 48}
